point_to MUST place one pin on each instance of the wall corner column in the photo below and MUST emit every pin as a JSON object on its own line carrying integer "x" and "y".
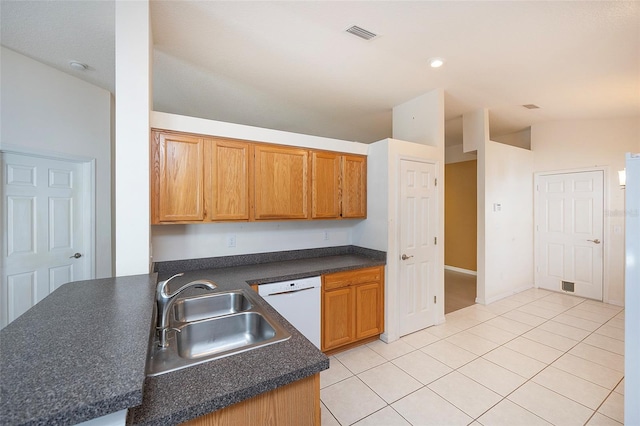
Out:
{"x": 475, "y": 136}
{"x": 132, "y": 111}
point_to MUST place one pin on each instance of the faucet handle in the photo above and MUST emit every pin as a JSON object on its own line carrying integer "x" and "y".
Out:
{"x": 173, "y": 276}
{"x": 163, "y": 284}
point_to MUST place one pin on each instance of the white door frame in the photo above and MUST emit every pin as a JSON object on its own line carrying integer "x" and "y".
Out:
{"x": 605, "y": 225}
{"x": 89, "y": 198}
{"x": 393, "y": 254}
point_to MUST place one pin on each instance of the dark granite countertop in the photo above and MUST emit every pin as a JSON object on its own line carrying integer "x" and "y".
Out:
{"x": 80, "y": 353}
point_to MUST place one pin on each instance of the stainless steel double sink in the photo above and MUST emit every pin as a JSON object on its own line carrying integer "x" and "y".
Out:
{"x": 213, "y": 326}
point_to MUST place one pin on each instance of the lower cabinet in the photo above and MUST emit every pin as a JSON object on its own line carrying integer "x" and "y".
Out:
{"x": 297, "y": 403}
{"x": 352, "y": 306}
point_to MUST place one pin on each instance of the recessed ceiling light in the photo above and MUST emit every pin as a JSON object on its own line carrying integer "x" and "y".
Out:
{"x": 78, "y": 66}
{"x": 436, "y": 62}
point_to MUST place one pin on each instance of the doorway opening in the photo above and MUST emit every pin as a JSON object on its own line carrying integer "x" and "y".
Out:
{"x": 460, "y": 231}
{"x": 459, "y": 290}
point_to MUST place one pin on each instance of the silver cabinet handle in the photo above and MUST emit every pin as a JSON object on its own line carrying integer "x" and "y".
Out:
{"x": 75, "y": 256}
{"x": 596, "y": 241}
{"x": 405, "y": 257}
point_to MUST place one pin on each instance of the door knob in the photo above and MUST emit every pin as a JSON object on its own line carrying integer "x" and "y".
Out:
{"x": 596, "y": 241}
{"x": 75, "y": 256}
{"x": 405, "y": 257}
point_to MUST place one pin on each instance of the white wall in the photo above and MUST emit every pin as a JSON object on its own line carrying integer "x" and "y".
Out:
{"x": 182, "y": 123}
{"x": 172, "y": 242}
{"x": 475, "y": 129}
{"x": 49, "y": 112}
{"x": 578, "y": 144}
{"x": 521, "y": 139}
{"x": 133, "y": 104}
{"x": 508, "y": 229}
{"x": 421, "y": 119}
{"x": 374, "y": 232}
{"x": 455, "y": 154}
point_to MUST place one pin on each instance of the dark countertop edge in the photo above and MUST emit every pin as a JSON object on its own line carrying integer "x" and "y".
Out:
{"x": 171, "y": 267}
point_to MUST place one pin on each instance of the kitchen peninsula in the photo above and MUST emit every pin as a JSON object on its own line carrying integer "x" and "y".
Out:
{"x": 81, "y": 352}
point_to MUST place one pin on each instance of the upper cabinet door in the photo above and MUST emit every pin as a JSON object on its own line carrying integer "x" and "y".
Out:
{"x": 354, "y": 186}
{"x": 281, "y": 183}
{"x": 228, "y": 174}
{"x": 177, "y": 178}
{"x": 325, "y": 185}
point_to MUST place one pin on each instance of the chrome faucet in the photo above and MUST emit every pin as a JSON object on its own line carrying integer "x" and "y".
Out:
{"x": 164, "y": 301}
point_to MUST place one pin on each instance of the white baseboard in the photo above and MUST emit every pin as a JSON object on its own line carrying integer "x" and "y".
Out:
{"x": 456, "y": 269}
{"x": 502, "y": 295}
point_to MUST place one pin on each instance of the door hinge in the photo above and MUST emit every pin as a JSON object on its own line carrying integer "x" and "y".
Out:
{"x": 435, "y": 241}
{"x": 434, "y": 299}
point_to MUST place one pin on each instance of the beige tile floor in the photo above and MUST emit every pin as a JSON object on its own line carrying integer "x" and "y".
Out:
{"x": 535, "y": 358}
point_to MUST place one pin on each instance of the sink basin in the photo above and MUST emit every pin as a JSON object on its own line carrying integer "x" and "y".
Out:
{"x": 215, "y": 305}
{"x": 213, "y": 326}
{"x": 215, "y": 336}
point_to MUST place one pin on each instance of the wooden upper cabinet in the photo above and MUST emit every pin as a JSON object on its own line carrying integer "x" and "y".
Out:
{"x": 197, "y": 179}
{"x": 281, "y": 183}
{"x": 177, "y": 178}
{"x": 325, "y": 185}
{"x": 354, "y": 186}
{"x": 227, "y": 175}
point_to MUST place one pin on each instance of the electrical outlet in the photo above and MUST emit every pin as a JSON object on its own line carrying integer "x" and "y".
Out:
{"x": 231, "y": 240}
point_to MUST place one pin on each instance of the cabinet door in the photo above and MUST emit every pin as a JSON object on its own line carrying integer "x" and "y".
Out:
{"x": 228, "y": 175}
{"x": 325, "y": 185}
{"x": 281, "y": 183}
{"x": 354, "y": 186}
{"x": 177, "y": 178}
{"x": 337, "y": 318}
{"x": 368, "y": 310}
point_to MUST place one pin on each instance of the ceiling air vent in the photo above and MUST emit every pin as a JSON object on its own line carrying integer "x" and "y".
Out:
{"x": 361, "y": 32}
{"x": 531, "y": 106}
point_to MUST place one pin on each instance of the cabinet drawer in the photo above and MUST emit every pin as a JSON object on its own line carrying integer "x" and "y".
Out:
{"x": 354, "y": 277}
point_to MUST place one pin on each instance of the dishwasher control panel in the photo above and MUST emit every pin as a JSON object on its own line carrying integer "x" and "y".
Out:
{"x": 287, "y": 286}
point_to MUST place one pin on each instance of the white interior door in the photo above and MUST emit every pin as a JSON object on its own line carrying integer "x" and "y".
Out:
{"x": 569, "y": 231}
{"x": 418, "y": 220}
{"x": 43, "y": 230}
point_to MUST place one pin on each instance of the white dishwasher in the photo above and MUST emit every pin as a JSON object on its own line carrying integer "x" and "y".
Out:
{"x": 299, "y": 302}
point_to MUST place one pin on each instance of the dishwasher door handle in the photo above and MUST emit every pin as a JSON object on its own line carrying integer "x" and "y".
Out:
{"x": 289, "y": 291}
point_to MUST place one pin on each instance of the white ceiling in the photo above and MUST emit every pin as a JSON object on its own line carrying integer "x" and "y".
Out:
{"x": 290, "y": 65}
